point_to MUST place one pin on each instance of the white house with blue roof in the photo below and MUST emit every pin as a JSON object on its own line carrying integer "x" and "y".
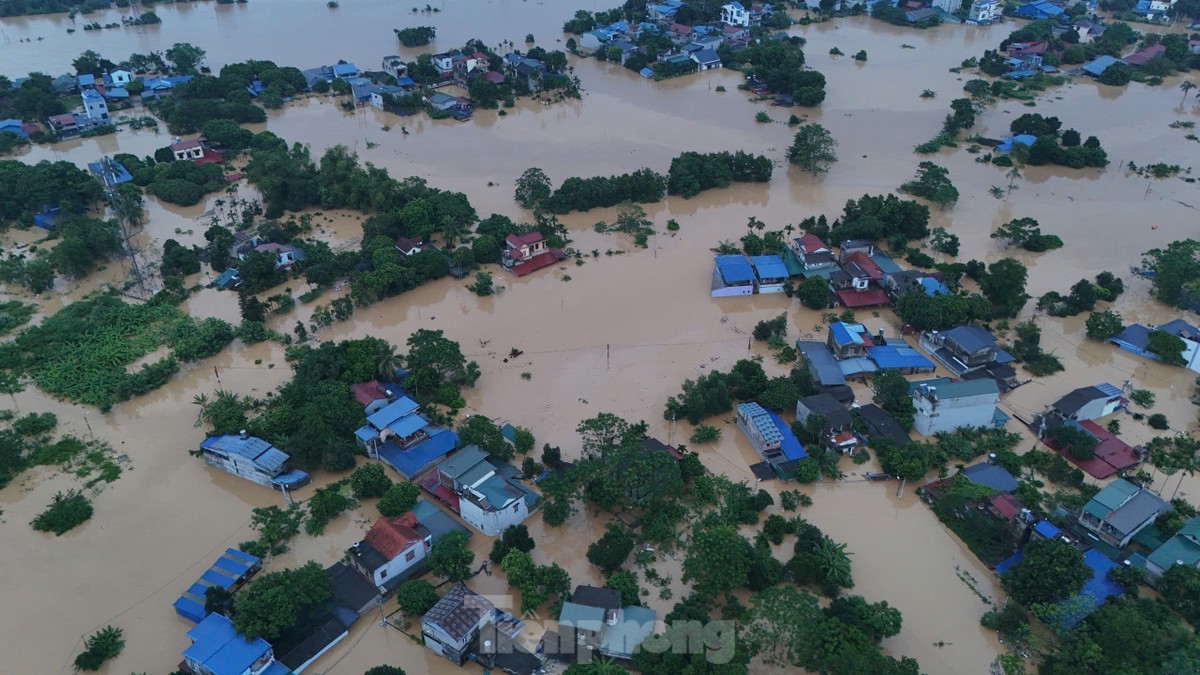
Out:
{"x": 735, "y": 14}
{"x": 732, "y": 275}
{"x": 218, "y": 650}
{"x": 482, "y": 492}
{"x": 771, "y": 438}
{"x": 94, "y": 106}
{"x": 770, "y": 273}
{"x": 253, "y": 459}
{"x": 1135, "y": 338}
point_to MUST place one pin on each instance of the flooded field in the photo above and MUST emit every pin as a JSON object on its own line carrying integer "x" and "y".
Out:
{"x": 619, "y": 336}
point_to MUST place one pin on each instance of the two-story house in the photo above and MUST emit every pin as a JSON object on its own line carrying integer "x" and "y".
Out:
{"x": 849, "y": 247}
{"x": 1181, "y": 549}
{"x": 483, "y": 493}
{"x": 836, "y": 430}
{"x": 529, "y": 252}
{"x": 985, "y": 11}
{"x": 812, "y": 252}
{"x": 195, "y": 150}
{"x": 1089, "y": 403}
{"x": 392, "y": 549}
{"x": 899, "y": 284}
{"x": 848, "y": 340}
{"x": 399, "y": 423}
{"x": 394, "y": 66}
{"x": 451, "y": 625}
{"x": 947, "y": 406}
{"x": 735, "y": 14}
{"x": 94, "y": 106}
{"x": 1120, "y": 510}
{"x": 594, "y": 621}
{"x": 965, "y": 350}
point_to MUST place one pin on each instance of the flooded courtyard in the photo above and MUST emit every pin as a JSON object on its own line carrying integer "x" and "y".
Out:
{"x": 617, "y": 334}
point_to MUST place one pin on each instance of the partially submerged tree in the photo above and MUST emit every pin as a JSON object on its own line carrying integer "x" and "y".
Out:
{"x": 813, "y": 149}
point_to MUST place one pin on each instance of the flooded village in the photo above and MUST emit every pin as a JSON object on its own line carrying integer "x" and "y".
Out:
{"x": 403, "y": 401}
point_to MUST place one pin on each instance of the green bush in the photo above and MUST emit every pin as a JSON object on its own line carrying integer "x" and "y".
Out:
{"x": 64, "y": 513}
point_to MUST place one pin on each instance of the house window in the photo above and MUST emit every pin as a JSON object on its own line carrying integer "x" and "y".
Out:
{"x": 409, "y": 556}
{"x": 383, "y": 574}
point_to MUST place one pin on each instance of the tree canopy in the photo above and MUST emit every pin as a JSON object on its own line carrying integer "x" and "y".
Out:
{"x": 1049, "y": 571}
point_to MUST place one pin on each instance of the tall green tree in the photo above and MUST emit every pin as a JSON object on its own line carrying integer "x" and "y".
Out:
{"x": 450, "y": 558}
{"x": 1050, "y": 570}
{"x": 813, "y": 149}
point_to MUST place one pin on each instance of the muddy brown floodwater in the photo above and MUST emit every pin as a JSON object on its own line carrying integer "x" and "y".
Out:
{"x": 619, "y": 336}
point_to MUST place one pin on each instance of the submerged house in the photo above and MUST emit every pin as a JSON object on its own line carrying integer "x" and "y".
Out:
{"x": 946, "y": 406}
{"x": 529, "y": 252}
{"x": 218, "y": 650}
{"x": 971, "y": 352}
{"x": 1089, "y": 403}
{"x": 878, "y": 424}
{"x": 1119, "y": 511}
{"x": 405, "y": 439}
{"x": 836, "y": 431}
{"x": 485, "y": 494}
{"x": 195, "y": 150}
{"x": 232, "y": 570}
{"x": 812, "y": 252}
{"x": 594, "y": 621}
{"x": 396, "y": 549}
{"x": 769, "y": 273}
{"x": 253, "y": 459}
{"x": 451, "y": 627}
{"x": 732, "y": 275}
{"x": 771, "y": 438}
{"x": 1183, "y": 548}
{"x": 1135, "y": 338}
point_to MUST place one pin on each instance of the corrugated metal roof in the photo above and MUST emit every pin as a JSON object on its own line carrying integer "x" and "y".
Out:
{"x": 262, "y": 453}
{"x": 767, "y": 266}
{"x": 821, "y": 363}
{"x": 892, "y": 356}
{"x": 734, "y": 268}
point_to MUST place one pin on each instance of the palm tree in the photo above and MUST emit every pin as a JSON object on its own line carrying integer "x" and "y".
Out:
{"x": 202, "y": 401}
{"x": 834, "y": 563}
{"x": 387, "y": 362}
{"x": 1185, "y": 87}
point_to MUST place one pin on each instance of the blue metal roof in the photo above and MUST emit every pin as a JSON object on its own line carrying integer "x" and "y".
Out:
{"x": 990, "y": 475}
{"x": 892, "y": 356}
{"x": 1100, "y": 65}
{"x": 769, "y": 266}
{"x": 344, "y": 69}
{"x": 735, "y": 268}
{"x": 421, "y": 456}
{"x": 933, "y": 286}
{"x": 366, "y": 433}
{"x": 790, "y": 445}
{"x": 1108, "y": 389}
{"x": 408, "y": 425}
{"x": 395, "y": 410}
{"x": 885, "y": 263}
{"x": 847, "y": 333}
{"x": 760, "y": 418}
{"x": 1047, "y": 529}
{"x": 262, "y": 453}
{"x": 821, "y": 363}
{"x": 220, "y": 650}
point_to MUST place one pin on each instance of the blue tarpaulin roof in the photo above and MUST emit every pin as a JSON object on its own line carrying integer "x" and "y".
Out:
{"x": 1095, "y": 592}
{"x": 790, "y": 447}
{"x": 892, "y": 356}
{"x": 769, "y": 267}
{"x": 1047, "y": 529}
{"x": 735, "y": 268}
{"x": 416, "y": 459}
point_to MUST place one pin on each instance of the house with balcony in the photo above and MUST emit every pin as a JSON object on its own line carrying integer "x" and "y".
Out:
{"x": 395, "y": 66}
{"x": 856, "y": 284}
{"x": 732, "y": 275}
{"x": 1119, "y": 511}
{"x": 812, "y": 252}
{"x": 770, "y": 273}
{"x": 253, "y": 459}
{"x": 983, "y": 12}
{"x": 971, "y": 352}
{"x": 484, "y": 492}
{"x": 848, "y": 340}
{"x": 735, "y": 14}
{"x": 529, "y": 252}
{"x": 405, "y": 439}
{"x": 946, "y": 406}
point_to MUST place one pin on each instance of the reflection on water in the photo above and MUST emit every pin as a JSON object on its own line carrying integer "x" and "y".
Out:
{"x": 619, "y": 337}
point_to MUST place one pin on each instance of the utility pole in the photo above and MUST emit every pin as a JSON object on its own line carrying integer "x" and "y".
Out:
{"x": 607, "y": 356}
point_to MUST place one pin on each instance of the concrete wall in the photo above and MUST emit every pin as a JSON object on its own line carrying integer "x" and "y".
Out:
{"x": 492, "y": 523}
{"x": 947, "y": 415}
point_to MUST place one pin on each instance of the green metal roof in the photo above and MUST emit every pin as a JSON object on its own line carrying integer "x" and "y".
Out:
{"x": 1110, "y": 498}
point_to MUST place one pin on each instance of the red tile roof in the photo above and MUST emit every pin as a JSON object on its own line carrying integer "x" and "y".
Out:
{"x": 1140, "y": 58}
{"x": 811, "y": 243}
{"x": 680, "y": 29}
{"x": 871, "y": 297}
{"x": 405, "y": 244}
{"x": 393, "y": 536}
{"x": 1006, "y": 505}
{"x": 1110, "y": 456}
{"x": 185, "y": 145}
{"x": 63, "y": 119}
{"x": 367, "y": 392}
{"x": 867, "y": 265}
{"x": 519, "y": 240}
{"x": 535, "y": 263}
{"x": 493, "y": 77}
